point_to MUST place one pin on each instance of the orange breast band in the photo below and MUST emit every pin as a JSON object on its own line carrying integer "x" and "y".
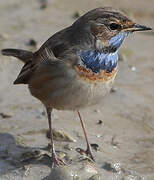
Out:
{"x": 102, "y": 76}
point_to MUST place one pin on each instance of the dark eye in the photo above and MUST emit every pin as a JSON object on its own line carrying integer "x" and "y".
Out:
{"x": 114, "y": 26}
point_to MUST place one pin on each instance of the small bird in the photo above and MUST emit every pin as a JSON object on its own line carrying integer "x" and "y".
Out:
{"x": 76, "y": 67}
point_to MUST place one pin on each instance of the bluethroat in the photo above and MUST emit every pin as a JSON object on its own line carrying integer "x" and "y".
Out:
{"x": 76, "y": 67}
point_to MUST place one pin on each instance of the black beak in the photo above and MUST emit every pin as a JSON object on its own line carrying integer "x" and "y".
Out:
{"x": 138, "y": 27}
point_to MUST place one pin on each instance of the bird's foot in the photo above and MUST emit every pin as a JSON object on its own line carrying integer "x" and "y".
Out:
{"x": 87, "y": 153}
{"x": 57, "y": 162}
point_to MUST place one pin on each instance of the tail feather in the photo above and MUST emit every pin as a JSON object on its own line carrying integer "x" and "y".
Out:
{"x": 22, "y": 55}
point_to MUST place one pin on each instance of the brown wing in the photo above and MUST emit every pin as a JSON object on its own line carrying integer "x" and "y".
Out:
{"x": 29, "y": 68}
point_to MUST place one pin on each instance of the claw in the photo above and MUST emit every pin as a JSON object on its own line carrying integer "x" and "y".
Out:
{"x": 87, "y": 153}
{"x": 56, "y": 162}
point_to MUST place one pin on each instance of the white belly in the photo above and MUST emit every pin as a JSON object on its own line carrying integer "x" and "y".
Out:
{"x": 71, "y": 96}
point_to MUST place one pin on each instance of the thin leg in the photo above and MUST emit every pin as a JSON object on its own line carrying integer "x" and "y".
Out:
{"x": 55, "y": 161}
{"x": 88, "y": 151}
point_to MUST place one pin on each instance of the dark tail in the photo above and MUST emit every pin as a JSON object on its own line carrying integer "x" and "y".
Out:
{"x": 22, "y": 55}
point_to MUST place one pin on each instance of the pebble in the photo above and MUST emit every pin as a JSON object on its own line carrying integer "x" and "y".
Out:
{"x": 97, "y": 110}
{"x": 87, "y": 170}
{"x": 4, "y": 115}
{"x": 131, "y": 177}
{"x": 32, "y": 42}
{"x": 68, "y": 147}
{"x": 29, "y": 155}
{"x": 95, "y": 146}
{"x": 43, "y": 4}
{"x": 90, "y": 168}
{"x": 108, "y": 167}
{"x": 61, "y": 154}
{"x": 99, "y": 122}
{"x": 114, "y": 143}
{"x": 113, "y": 90}
{"x": 76, "y": 15}
{"x": 133, "y": 68}
{"x": 62, "y": 173}
{"x": 98, "y": 135}
{"x": 60, "y": 135}
{"x": 117, "y": 167}
{"x": 95, "y": 177}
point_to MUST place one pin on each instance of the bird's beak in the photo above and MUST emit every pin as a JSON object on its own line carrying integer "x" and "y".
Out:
{"x": 138, "y": 27}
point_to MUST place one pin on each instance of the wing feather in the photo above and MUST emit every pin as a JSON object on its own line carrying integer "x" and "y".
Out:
{"x": 41, "y": 56}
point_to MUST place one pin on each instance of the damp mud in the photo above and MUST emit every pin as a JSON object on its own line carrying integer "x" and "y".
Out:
{"x": 120, "y": 129}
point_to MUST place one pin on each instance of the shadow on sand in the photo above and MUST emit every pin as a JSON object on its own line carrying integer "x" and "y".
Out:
{"x": 15, "y": 157}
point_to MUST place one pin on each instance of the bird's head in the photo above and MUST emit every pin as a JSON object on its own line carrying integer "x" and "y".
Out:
{"x": 109, "y": 27}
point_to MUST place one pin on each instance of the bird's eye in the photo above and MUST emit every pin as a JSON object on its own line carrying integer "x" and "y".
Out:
{"x": 114, "y": 26}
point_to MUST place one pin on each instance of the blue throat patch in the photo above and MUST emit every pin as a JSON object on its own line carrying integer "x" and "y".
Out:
{"x": 97, "y": 61}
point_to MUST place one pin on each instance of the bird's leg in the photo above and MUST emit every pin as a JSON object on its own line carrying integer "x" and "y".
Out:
{"x": 88, "y": 151}
{"x": 55, "y": 160}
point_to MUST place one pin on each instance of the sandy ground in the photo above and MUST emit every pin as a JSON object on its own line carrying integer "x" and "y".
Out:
{"x": 126, "y": 135}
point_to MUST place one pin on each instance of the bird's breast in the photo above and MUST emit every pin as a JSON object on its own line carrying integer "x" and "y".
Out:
{"x": 88, "y": 75}
{"x": 92, "y": 87}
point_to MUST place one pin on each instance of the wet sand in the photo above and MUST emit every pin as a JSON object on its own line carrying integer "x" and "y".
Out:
{"x": 126, "y": 134}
